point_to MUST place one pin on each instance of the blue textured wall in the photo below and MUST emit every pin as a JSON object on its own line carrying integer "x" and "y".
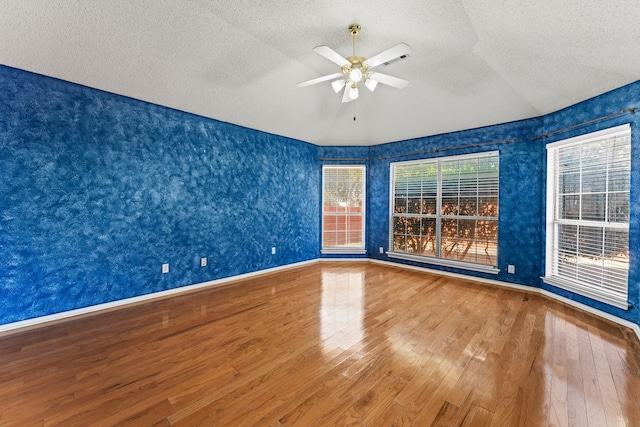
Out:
{"x": 98, "y": 190}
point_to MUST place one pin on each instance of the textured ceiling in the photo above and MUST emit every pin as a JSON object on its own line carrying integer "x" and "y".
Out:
{"x": 473, "y": 63}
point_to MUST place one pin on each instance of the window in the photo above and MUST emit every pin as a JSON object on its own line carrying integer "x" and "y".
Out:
{"x": 445, "y": 211}
{"x": 588, "y": 181}
{"x": 343, "y": 196}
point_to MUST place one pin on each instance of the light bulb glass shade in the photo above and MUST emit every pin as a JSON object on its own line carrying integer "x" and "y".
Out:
{"x": 371, "y": 84}
{"x": 338, "y": 85}
{"x": 353, "y": 92}
{"x": 355, "y": 75}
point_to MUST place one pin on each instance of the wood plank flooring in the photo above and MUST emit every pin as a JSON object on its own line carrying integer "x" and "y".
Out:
{"x": 328, "y": 344}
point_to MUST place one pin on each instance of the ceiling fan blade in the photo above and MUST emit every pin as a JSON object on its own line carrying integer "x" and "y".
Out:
{"x": 319, "y": 80}
{"x": 345, "y": 94}
{"x": 389, "y": 80}
{"x": 332, "y": 55}
{"x": 392, "y": 53}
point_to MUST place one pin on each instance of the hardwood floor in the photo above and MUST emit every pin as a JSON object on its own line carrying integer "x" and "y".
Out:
{"x": 327, "y": 344}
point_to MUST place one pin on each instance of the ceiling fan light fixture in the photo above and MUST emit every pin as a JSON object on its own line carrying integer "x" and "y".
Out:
{"x": 338, "y": 85}
{"x": 355, "y": 75}
{"x": 371, "y": 84}
{"x": 353, "y": 92}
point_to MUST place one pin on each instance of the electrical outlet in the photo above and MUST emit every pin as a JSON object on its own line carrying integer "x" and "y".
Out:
{"x": 381, "y": 250}
{"x": 203, "y": 262}
{"x": 165, "y": 268}
{"x": 273, "y": 250}
{"x": 511, "y": 269}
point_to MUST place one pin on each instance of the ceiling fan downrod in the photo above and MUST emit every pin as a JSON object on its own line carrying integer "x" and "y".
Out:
{"x": 354, "y": 29}
{"x": 355, "y": 61}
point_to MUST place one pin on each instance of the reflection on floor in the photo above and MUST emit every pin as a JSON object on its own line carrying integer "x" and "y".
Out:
{"x": 342, "y": 309}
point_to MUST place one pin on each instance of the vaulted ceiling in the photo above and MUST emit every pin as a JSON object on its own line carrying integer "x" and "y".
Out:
{"x": 473, "y": 62}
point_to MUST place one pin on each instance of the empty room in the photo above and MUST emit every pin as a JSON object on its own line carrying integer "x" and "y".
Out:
{"x": 378, "y": 213}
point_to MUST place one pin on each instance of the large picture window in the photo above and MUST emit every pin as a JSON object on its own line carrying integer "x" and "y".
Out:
{"x": 445, "y": 211}
{"x": 588, "y": 182}
{"x": 343, "y": 209}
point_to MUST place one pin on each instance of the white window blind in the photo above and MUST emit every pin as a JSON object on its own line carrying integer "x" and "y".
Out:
{"x": 445, "y": 211}
{"x": 343, "y": 209}
{"x": 588, "y": 182}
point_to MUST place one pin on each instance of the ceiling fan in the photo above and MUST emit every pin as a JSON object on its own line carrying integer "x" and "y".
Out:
{"x": 356, "y": 69}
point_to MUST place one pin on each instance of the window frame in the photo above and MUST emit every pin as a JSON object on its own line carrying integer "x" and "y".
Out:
{"x": 439, "y": 216}
{"x": 554, "y": 222}
{"x": 346, "y": 250}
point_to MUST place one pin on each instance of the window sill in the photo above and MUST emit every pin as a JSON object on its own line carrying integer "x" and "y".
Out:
{"x": 445, "y": 262}
{"x": 587, "y": 291}
{"x": 343, "y": 251}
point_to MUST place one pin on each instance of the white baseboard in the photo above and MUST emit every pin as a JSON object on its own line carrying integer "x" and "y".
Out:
{"x": 39, "y": 321}
{"x": 592, "y": 310}
{"x": 457, "y": 275}
{"x": 532, "y": 289}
